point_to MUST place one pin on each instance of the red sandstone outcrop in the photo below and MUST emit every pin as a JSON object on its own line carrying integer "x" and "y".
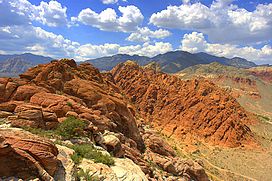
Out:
{"x": 184, "y": 109}
{"x": 25, "y": 155}
{"x": 48, "y": 92}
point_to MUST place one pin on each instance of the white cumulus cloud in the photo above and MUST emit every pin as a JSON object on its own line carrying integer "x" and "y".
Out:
{"x": 196, "y": 42}
{"x": 35, "y": 40}
{"x": 88, "y": 51}
{"x": 17, "y": 12}
{"x": 223, "y": 22}
{"x": 108, "y": 20}
{"x": 146, "y": 49}
{"x": 144, "y": 34}
{"x": 109, "y": 1}
{"x": 50, "y": 14}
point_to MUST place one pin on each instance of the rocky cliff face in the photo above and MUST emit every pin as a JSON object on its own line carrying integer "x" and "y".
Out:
{"x": 46, "y": 95}
{"x": 186, "y": 110}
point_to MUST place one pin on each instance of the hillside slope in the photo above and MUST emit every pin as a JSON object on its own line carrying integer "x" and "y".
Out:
{"x": 252, "y": 87}
{"x": 186, "y": 110}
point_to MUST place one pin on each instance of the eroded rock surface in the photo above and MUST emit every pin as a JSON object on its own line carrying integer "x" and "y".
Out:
{"x": 46, "y": 93}
{"x": 61, "y": 89}
{"x": 25, "y": 155}
{"x": 185, "y": 110}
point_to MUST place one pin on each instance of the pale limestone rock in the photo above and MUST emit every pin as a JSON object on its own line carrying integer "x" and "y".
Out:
{"x": 67, "y": 167}
{"x": 5, "y": 114}
{"x": 126, "y": 170}
{"x": 103, "y": 172}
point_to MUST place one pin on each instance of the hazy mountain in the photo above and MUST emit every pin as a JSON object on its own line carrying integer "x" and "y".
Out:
{"x": 171, "y": 62}
{"x": 107, "y": 63}
{"x": 13, "y": 65}
{"x": 241, "y": 62}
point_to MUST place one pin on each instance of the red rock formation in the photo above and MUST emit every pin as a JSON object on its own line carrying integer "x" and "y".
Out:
{"x": 264, "y": 73}
{"x": 184, "y": 109}
{"x": 47, "y": 92}
{"x": 25, "y": 155}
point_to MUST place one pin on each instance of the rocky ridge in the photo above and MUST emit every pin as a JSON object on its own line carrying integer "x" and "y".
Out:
{"x": 46, "y": 95}
{"x": 186, "y": 110}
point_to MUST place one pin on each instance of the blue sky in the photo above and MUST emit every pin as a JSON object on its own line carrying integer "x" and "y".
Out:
{"x": 86, "y": 29}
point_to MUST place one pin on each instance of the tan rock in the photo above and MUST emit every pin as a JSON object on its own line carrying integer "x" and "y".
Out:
{"x": 71, "y": 114}
{"x": 4, "y": 114}
{"x": 66, "y": 170}
{"x": 126, "y": 169}
{"x": 103, "y": 172}
{"x": 113, "y": 144}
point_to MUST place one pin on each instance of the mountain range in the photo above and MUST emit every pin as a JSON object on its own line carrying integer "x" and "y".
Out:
{"x": 13, "y": 65}
{"x": 171, "y": 62}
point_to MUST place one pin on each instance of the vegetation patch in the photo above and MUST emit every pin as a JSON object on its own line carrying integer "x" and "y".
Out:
{"x": 41, "y": 132}
{"x": 85, "y": 175}
{"x": 69, "y": 104}
{"x": 90, "y": 152}
{"x": 71, "y": 128}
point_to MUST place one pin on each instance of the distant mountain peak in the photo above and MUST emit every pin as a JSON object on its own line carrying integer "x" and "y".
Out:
{"x": 13, "y": 65}
{"x": 170, "y": 62}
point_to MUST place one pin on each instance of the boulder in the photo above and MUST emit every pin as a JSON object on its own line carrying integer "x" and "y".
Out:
{"x": 25, "y": 92}
{"x": 157, "y": 144}
{"x": 58, "y": 104}
{"x": 5, "y": 114}
{"x": 71, "y": 114}
{"x": 103, "y": 172}
{"x": 66, "y": 169}
{"x": 126, "y": 169}
{"x": 9, "y": 106}
{"x": 27, "y": 115}
{"x": 179, "y": 167}
{"x": 25, "y": 155}
{"x": 113, "y": 144}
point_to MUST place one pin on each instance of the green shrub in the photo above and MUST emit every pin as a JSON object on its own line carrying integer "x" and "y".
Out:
{"x": 42, "y": 132}
{"x": 76, "y": 158}
{"x": 69, "y": 104}
{"x": 71, "y": 128}
{"x": 86, "y": 176}
{"x": 89, "y": 152}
